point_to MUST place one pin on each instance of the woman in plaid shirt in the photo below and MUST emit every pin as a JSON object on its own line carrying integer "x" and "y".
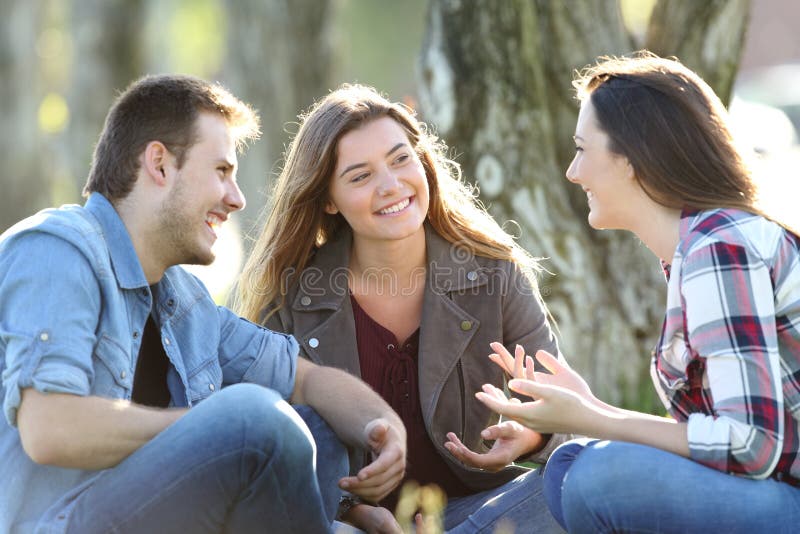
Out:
{"x": 654, "y": 156}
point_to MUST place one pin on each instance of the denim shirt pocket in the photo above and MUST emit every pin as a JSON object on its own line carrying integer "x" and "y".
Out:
{"x": 204, "y": 380}
{"x": 113, "y": 374}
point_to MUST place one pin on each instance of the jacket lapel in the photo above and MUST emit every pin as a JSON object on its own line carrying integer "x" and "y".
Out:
{"x": 324, "y": 293}
{"x": 448, "y": 328}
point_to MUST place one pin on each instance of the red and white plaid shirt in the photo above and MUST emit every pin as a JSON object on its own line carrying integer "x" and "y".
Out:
{"x": 728, "y": 360}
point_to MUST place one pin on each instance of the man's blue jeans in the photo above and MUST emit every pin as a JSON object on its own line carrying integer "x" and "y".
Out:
{"x": 240, "y": 461}
{"x": 608, "y": 486}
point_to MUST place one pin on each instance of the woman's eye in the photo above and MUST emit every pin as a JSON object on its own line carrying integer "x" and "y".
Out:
{"x": 401, "y": 158}
{"x": 359, "y": 177}
{"x": 578, "y": 149}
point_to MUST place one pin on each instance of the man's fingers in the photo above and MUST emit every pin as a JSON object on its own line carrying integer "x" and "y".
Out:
{"x": 389, "y": 460}
{"x": 376, "y": 431}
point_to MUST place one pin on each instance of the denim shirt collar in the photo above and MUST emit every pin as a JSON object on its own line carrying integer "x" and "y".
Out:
{"x": 126, "y": 264}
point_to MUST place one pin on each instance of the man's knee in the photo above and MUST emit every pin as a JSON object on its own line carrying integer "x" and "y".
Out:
{"x": 265, "y": 422}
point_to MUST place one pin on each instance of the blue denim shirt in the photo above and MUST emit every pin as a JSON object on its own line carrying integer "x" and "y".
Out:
{"x": 73, "y": 306}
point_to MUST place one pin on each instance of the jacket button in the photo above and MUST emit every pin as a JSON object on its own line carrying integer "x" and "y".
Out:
{"x": 472, "y": 275}
{"x": 466, "y": 325}
{"x": 313, "y": 343}
{"x": 305, "y": 301}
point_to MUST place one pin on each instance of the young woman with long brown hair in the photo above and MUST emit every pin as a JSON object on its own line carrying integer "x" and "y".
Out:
{"x": 380, "y": 261}
{"x": 655, "y": 157}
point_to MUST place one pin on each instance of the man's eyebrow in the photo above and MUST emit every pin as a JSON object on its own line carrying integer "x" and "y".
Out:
{"x": 358, "y": 165}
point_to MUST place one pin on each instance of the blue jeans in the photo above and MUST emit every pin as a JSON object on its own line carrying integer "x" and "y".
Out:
{"x": 609, "y": 486}
{"x": 241, "y": 461}
{"x": 517, "y": 504}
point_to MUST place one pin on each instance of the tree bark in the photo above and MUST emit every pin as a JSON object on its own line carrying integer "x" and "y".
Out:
{"x": 107, "y": 55}
{"x": 495, "y": 82}
{"x": 21, "y": 89}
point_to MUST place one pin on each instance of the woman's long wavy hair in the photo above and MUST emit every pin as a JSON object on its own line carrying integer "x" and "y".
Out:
{"x": 673, "y": 129}
{"x": 297, "y": 223}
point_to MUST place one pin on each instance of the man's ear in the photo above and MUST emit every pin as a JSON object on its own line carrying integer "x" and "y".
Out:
{"x": 330, "y": 208}
{"x": 157, "y": 162}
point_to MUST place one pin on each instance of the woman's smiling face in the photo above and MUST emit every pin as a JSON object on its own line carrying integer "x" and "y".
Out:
{"x": 607, "y": 178}
{"x": 379, "y": 184}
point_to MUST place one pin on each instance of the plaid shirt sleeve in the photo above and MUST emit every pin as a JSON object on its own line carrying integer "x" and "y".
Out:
{"x": 728, "y": 300}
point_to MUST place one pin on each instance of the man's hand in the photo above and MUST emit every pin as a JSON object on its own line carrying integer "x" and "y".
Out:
{"x": 511, "y": 440}
{"x": 376, "y": 480}
{"x": 373, "y": 519}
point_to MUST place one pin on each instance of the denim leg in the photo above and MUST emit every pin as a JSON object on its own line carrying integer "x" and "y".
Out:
{"x": 517, "y": 504}
{"x": 240, "y": 461}
{"x": 625, "y": 487}
{"x": 332, "y": 460}
{"x": 554, "y": 472}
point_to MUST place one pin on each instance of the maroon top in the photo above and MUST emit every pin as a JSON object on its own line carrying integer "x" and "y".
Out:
{"x": 391, "y": 370}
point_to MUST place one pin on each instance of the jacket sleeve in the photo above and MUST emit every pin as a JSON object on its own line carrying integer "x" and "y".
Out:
{"x": 526, "y": 322}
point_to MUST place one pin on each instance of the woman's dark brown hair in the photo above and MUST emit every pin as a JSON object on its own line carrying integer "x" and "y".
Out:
{"x": 672, "y": 128}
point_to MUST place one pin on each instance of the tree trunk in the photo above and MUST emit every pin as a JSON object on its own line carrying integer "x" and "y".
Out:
{"x": 279, "y": 57}
{"x": 21, "y": 90}
{"x": 107, "y": 55}
{"x": 496, "y": 84}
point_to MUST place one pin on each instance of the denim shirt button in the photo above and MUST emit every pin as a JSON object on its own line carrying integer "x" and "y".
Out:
{"x": 44, "y": 336}
{"x": 211, "y": 387}
{"x": 166, "y": 341}
{"x": 305, "y": 301}
{"x": 313, "y": 343}
{"x": 123, "y": 374}
{"x": 136, "y": 335}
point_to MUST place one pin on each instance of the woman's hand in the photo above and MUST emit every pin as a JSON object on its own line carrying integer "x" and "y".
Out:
{"x": 555, "y": 410}
{"x": 511, "y": 440}
{"x": 521, "y": 366}
{"x": 372, "y": 519}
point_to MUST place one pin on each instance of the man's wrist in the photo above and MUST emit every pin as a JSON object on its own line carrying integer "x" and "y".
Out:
{"x": 346, "y": 503}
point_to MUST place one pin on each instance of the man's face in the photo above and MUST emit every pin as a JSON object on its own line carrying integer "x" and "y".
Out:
{"x": 203, "y": 194}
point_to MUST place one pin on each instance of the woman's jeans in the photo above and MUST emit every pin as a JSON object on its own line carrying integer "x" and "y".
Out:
{"x": 609, "y": 486}
{"x": 241, "y": 461}
{"x": 518, "y": 506}
{"x": 515, "y": 507}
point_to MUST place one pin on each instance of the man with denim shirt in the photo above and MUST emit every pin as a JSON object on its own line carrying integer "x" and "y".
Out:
{"x": 108, "y": 347}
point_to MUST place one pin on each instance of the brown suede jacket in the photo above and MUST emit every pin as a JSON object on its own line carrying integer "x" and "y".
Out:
{"x": 469, "y": 302}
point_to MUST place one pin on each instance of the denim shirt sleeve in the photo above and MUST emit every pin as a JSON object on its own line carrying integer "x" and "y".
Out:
{"x": 48, "y": 318}
{"x": 250, "y": 353}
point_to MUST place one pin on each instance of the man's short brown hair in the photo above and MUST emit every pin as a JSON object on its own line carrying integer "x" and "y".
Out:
{"x": 160, "y": 108}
